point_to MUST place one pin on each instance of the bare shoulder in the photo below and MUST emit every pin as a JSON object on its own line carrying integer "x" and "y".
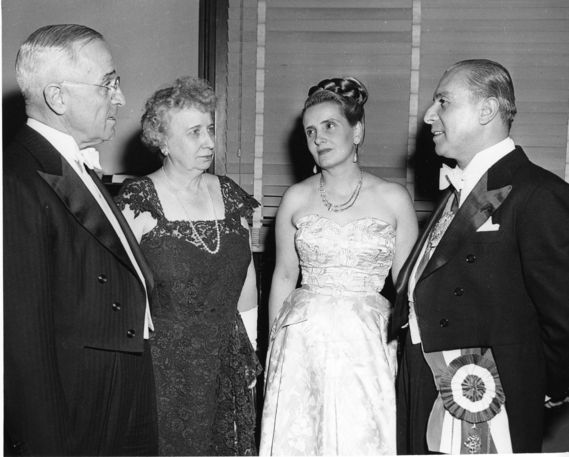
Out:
{"x": 388, "y": 191}
{"x": 296, "y": 195}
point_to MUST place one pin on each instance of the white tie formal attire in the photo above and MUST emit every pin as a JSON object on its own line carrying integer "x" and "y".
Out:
{"x": 444, "y": 433}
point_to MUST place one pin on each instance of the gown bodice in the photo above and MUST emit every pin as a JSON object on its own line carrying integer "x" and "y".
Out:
{"x": 354, "y": 258}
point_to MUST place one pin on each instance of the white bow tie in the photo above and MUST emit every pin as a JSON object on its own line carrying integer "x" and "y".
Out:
{"x": 90, "y": 158}
{"x": 448, "y": 175}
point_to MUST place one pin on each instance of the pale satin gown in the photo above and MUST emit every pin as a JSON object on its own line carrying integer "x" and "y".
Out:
{"x": 330, "y": 375}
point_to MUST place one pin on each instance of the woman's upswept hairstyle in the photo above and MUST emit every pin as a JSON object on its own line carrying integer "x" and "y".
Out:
{"x": 347, "y": 92}
{"x": 185, "y": 92}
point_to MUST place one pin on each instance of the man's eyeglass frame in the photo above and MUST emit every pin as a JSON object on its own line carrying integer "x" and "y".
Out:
{"x": 112, "y": 86}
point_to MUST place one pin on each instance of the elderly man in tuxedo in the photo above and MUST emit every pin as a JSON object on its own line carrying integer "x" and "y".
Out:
{"x": 78, "y": 374}
{"x": 485, "y": 291}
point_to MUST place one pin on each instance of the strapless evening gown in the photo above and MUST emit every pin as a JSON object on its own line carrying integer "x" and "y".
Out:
{"x": 330, "y": 375}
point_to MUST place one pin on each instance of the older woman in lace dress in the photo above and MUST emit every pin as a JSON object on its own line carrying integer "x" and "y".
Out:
{"x": 192, "y": 227}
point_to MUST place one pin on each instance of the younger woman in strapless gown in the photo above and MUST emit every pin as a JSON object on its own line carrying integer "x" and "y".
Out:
{"x": 329, "y": 387}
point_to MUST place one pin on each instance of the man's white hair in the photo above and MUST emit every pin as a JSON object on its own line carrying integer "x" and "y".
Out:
{"x": 48, "y": 54}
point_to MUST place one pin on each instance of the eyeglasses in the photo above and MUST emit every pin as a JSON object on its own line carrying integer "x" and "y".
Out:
{"x": 112, "y": 86}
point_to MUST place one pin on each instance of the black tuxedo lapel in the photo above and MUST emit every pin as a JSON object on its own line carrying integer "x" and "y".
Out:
{"x": 134, "y": 246}
{"x": 476, "y": 209}
{"x": 81, "y": 203}
{"x": 71, "y": 190}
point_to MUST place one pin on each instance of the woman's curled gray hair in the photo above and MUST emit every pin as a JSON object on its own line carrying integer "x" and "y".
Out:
{"x": 186, "y": 92}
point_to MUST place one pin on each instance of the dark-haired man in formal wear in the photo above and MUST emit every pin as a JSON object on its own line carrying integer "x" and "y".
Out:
{"x": 78, "y": 374}
{"x": 485, "y": 290}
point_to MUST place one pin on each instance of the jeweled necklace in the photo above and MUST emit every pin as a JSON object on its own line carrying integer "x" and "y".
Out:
{"x": 171, "y": 187}
{"x": 348, "y": 203}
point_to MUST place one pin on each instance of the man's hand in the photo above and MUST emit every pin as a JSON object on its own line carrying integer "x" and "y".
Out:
{"x": 552, "y": 404}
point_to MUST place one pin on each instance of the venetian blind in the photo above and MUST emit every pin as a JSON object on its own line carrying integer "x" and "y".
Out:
{"x": 242, "y": 51}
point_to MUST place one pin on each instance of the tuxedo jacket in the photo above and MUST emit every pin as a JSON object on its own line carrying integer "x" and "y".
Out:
{"x": 68, "y": 285}
{"x": 506, "y": 287}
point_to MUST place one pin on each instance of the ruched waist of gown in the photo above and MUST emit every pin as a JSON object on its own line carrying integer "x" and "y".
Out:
{"x": 344, "y": 285}
{"x": 338, "y": 289}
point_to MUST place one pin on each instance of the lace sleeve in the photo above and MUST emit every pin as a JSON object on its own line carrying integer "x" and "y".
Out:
{"x": 137, "y": 195}
{"x": 238, "y": 200}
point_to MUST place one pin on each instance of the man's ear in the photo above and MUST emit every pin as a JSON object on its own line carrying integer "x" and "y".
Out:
{"x": 53, "y": 97}
{"x": 489, "y": 109}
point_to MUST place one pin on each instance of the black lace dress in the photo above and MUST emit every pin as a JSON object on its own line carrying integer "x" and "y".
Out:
{"x": 203, "y": 360}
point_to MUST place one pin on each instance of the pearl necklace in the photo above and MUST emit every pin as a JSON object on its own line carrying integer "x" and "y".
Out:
{"x": 348, "y": 203}
{"x": 194, "y": 231}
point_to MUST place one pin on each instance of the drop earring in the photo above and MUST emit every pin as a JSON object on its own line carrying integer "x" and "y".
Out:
{"x": 356, "y": 154}
{"x": 314, "y": 169}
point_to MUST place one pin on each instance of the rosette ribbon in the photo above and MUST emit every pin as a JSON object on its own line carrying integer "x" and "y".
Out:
{"x": 469, "y": 415}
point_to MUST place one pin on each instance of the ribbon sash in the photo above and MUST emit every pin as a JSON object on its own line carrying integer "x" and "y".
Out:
{"x": 469, "y": 415}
